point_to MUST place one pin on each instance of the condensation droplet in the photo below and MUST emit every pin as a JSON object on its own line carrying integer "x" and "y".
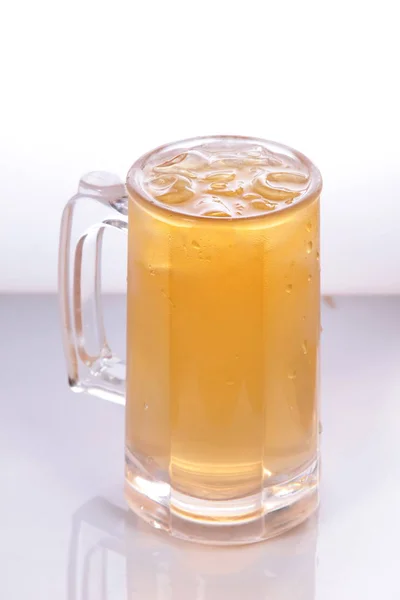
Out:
{"x": 304, "y": 347}
{"x": 317, "y": 255}
{"x": 309, "y": 278}
{"x": 320, "y": 428}
{"x": 164, "y": 293}
{"x": 142, "y": 507}
{"x": 146, "y": 406}
{"x": 309, "y": 247}
{"x": 292, "y": 375}
{"x": 149, "y": 460}
{"x": 289, "y": 288}
{"x": 309, "y": 226}
{"x": 196, "y": 245}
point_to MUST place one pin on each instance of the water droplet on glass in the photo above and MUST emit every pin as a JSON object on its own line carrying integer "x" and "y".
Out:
{"x": 320, "y": 428}
{"x": 304, "y": 347}
{"x": 289, "y": 288}
{"x": 142, "y": 507}
{"x": 149, "y": 460}
{"x": 309, "y": 247}
{"x": 309, "y": 226}
{"x": 317, "y": 255}
{"x": 309, "y": 278}
{"x": 196, "y": 245}
{"x": 292, "y": 375}
{"x": 146, "y": 406}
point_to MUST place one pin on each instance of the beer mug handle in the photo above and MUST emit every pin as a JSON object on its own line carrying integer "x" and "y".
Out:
{"x": 100, "y": 203}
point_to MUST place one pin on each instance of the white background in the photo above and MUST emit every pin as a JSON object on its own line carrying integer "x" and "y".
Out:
{"x": 92, "y": 85}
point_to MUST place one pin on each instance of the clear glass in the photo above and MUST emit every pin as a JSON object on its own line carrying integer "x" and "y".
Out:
{"x": 223, "y": 333}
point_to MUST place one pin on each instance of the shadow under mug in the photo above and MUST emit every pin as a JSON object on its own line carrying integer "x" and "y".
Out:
{"x": 220, "y": 382}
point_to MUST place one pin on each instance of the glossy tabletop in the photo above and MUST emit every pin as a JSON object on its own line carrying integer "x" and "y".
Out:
{"x": 65, "y": 532}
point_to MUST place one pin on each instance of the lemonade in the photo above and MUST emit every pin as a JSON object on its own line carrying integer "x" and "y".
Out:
{"x": 223, "y": 318}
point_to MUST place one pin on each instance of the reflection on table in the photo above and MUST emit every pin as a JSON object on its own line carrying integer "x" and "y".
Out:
{"x": 115, "y": 556}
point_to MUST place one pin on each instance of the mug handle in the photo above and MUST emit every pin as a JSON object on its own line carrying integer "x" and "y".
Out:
{"x": 92, "y": 366}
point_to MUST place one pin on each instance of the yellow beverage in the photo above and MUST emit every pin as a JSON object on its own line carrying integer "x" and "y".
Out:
{"x": 223, "y": 319}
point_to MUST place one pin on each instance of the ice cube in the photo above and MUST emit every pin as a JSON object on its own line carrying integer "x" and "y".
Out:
{"x": 263, "y": 205}
{"x": 161, "y": 182}
{"x": 223, "y": 189}
{"x": 189, "y": 163}
{"x": 220, "y": 176}
{"x": 262, "y": 186}
{"x": 178, "y": 192}
{"x": 286, "y": 180}
{"x": 212, "y": 207}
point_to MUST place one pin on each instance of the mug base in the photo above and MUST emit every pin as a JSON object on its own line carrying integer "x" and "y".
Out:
{"x": 251, "y": 519}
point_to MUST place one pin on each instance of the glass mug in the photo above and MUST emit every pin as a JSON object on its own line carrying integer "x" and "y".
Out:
{"x": 223, "y": 325}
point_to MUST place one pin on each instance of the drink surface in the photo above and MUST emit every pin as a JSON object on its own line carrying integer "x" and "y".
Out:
{"x": 226, "y": 179}
{"x": 223, "y": 320}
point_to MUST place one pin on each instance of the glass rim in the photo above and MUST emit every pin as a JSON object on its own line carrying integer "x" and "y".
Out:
{"x": 134, "y": 185}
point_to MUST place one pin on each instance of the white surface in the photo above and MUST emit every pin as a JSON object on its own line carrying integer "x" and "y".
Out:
{"x": 65, "y": 531}
{"x": 89, "y": 86}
